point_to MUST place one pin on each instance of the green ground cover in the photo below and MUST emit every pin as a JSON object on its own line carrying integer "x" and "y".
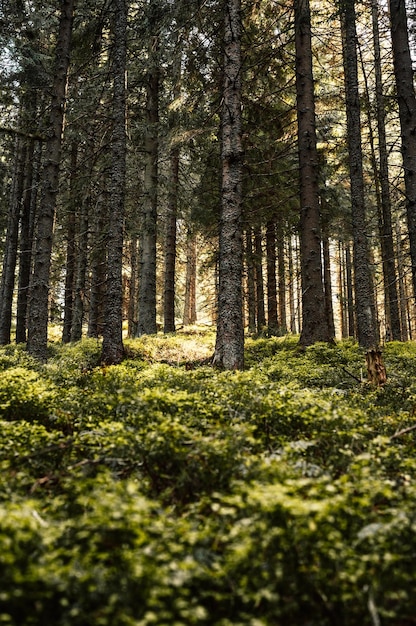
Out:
{"x": 163, "y": 492}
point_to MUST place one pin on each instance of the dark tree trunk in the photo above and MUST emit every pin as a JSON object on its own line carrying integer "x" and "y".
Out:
{"x": 386, "y": 229}
{"x": 329, "y": 310}
{"x": 113, "y": 349}
{"x": 229, "y": 345}
{"x": 258, "y": 269}
{"x": 11, "y": 248}
{"x": 281, "y": 270}
{"x": 314, "y": 320}
{"x": 70, "y": 251}
{"x": 367, "y": 330}
{"x": 147, "y": 283}
{"x": 39, "y": 293}
{"x": 170, "y": 245}
{"x": 132, "y": 306}
{"x": 272, "y": 320}
{"x": 352, "y": 325}
{"x": 98, "y": 264}
{"x": 251, "y": 282}
{"x": 80, "y": 273}
{"x": 26, "y": 238}
{"x": 407, "y": 112}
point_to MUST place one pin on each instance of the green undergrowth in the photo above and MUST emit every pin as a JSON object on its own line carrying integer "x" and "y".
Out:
{"x": 162, "y": 491}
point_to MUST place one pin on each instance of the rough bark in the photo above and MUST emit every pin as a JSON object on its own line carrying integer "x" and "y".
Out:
{"x": 39, "y": 293}
{"x": 11, "y": 247}
{"x": 70, "y": 251}
{"x": 314, "y": 320}
{"x": 407, "y": 112}
{"x": 251, "y": 282}
{"x": 385, "y": 221}
{"x": 113, "y": 349}
{"x": 147, "y": 284}
{"x": 98, "y": 264}
{"x": 170, "y": 245}
{"x": 367, "y": 330}
{"x": 80, "y": 274}
{"x": 281, "y": 270}
{"x": 229, "y": 345}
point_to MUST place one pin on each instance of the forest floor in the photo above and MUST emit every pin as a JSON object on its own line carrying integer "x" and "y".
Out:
{"x": 162, "y": 491}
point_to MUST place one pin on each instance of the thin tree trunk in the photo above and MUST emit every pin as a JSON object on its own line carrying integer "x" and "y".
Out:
{"x": 39, "y": 293}
{"x": 329, "y": 309}
{"x": 281, "y": 270}
{"x": 352, "y": 325}
{"x": 11, "y": 248}
{"x": 132, "y": 307}
{"x": 170, "y": 245}
{"x": 364, "y": 294}
{"x": 251, "y": 282}
{"x": 98, "y": 264}
{"x": 402, "y": 288}
{"x": 113, "y": 349}
{"x": 407, "y": 112}
{"x": 189, "y": 314}
{"x": 258, "y": 268}
{"x": 70, "y": 251}
{"x": 80, "y": 274}
{"x": 229, "y": 345}
{"x": 272, "y": 321}
{"x": 26, "y": 238}
{"x": 292, "y": 280}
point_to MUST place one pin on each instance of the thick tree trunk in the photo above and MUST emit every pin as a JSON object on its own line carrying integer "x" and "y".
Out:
{"x": 364, "y": 295}
{"x": 407, "y": 112}
{"x": 386, "y": 229}
{"x": 272, "y": 321}
{"x": 39, "y": 293}
{"x": 229, "y": 345}
{"x": 113, "y": 349}
{"x": 314, "y": 320}
{"x": 147, "y": 283}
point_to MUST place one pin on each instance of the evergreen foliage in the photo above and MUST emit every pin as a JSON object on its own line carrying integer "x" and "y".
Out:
{"x": 161, "y": 491}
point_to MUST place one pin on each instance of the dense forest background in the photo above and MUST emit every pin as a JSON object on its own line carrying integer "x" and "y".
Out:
{"x": 118, "y": 131}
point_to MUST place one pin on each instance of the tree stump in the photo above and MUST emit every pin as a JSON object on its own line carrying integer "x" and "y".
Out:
{"x": 376, "y": 371}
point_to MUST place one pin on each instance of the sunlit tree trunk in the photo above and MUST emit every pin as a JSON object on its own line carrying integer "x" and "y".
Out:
{"x": 189, "y": 314}
{"x": 407, "y": 112}
{"x": 229, "y": 345}
{"x": 113, "y": 349}
{"x": 39, "y": 293}
{"x": 314, "y": 319}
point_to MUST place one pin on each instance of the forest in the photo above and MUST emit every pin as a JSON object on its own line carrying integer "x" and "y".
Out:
{"x": 207, "y": 312}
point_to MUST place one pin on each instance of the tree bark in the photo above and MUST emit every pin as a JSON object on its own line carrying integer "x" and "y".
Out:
{"x": 258, "y": 270}
{"x": 70, "y": 251}
{"x": 272, "y": 319}
{"x": 407, "y": 112}
{"x": 229, "y": 345}
{"x": 251, "y": 282}
{"x": 147, "y": 283}
{"x": 314, "y": 320}
{"x": 189, "y": 313}
{"x": 364, "y": 295}
{"x": 39, "y": 293}
{"x": 113, "y": 349}
{"x": 281, "y": 270}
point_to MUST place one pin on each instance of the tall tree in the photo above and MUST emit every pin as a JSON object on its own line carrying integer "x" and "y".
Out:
{"x": 406, "y": 97}
{"x": 113, "y": 349}
{"x": 229, "y": 345}
{"x": 39, "y": 295}
{"x": 364, "y": 295}
{"x": 315, "y": 325}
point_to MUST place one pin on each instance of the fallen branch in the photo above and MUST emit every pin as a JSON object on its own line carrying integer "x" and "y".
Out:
{"x": 403, "y": 432}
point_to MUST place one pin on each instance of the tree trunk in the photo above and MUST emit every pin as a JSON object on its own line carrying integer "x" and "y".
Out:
{"x": 329, "y": 310}
{"x": 170, "y": 245}
{"x": 80, "y": 273}
{"x": 98, "y": 264}
{"x": 364, "y": 295}
{"x": 26, "y": 238}
{"x": 39, "y": 293}
{"x": 132, "y": 306}
{"x": 282, "y": 276}
{"x": 70, "y": 251}
{"x": 229, "y": 345}
{"x": 352, "y": 325}
{"x": 272, "y": 321}
{"x": 147, "y": 283}
{"x": 386, "y": 229}
{"x": 402, "y": 287}
{"x": 189, "y": 313}
{"x": 407, "y": 112}
{"x": 258, "y": 269}
{"x": 251, "y": 282}
{"x": 314, "y": 320}
{"x": 113, "y": 349}
{"x": 11, "y": 248}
